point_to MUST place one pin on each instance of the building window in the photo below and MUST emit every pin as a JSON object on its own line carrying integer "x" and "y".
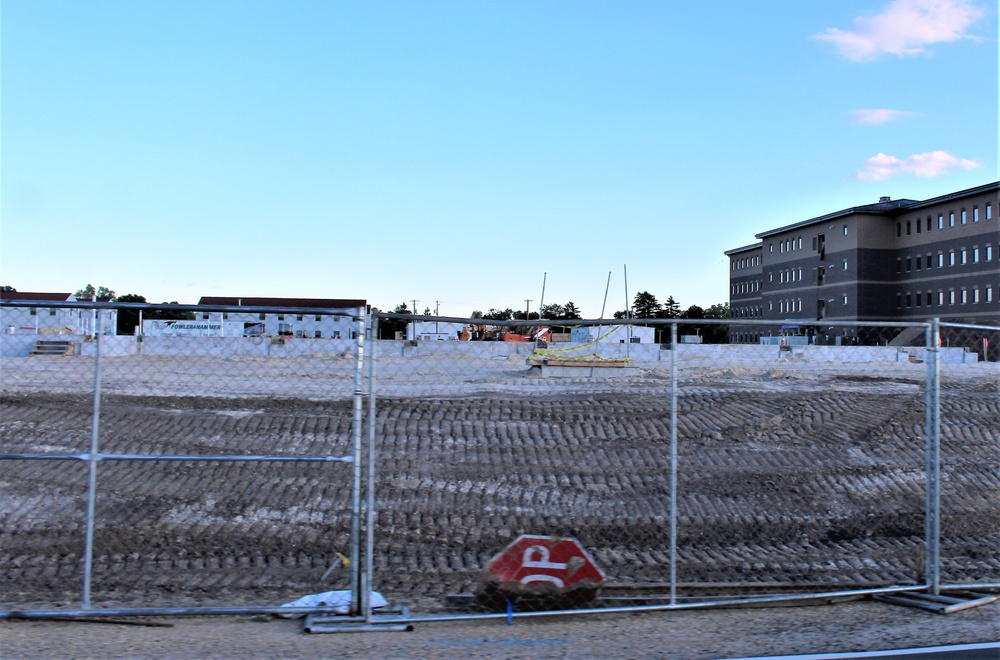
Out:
{"x": 899, "y": 300}
{"x": 318, "y": 334}
{"x": 930, "y": 298}
{"x": 975, "y": 214}
{"x": 989, "y": 211}
{"x": 908, "y": 228}
{"x": 33, "y": 312}
{"x": 963, "y": 216}
{"x": 951, "y": 297}
{"x": 298, "y": 317}
{"x": 204, "y": 316}
{"x": 845, "y": 230}
{"x": 964, "y": 261}
{"x": 845, "y": 298}
{"x": 975, "y": 295}
{"x": 917, "y": 299}
{"x": 929, "y": 262}
{"x": 975, "y": 255}
{"x": 940, "y": 221}
{"x": 918, "y": 225}
{"x": 908, "y": 263}
{"x": 800, "y": 242}
{"x": 262, "y": 316}
{"x": 951, "y": 258}
{"x": 989, "y": 253}
{"x": 909, "y": 299}
{"x": 989, "y": 293}
{"x": 964, "y": 296}
{"x": 917, "y": 261}
{"x": 899, "y": 229}
{"x": 951, "y": 219}
{"x": 52, "y": 312}
{"x": 281, "y": 317}
{"x": 319, "y": 318}
{"x": 940, "y": 298}
{"x": 770, "y": 247}
{"x": 928, "y": 223}
{"x": 845, "y": 264}
{"x": 940, "y": 260}
{"x": 225, "y": 316}
{"x": 899, "y": 265}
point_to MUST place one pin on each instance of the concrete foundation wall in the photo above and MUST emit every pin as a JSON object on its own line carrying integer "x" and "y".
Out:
{"x": 116, "y": 346}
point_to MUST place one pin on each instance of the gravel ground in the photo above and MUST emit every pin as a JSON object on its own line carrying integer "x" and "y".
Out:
{"x": 856, "y": 626}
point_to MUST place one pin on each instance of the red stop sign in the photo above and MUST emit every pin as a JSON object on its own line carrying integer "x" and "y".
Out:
{"x": 558, "y": 562}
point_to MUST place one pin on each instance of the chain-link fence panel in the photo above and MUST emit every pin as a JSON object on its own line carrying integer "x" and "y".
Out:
{"x": 800, "y": 461}
{"x": 969, "y": 455}
{"x": 224, "y": 474}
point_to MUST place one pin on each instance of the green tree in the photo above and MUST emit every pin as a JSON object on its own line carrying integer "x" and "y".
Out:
{"x": 645, "y": 306}
{"x": 88, "y": 292}
{"x": 6, "y": 288}
{"x": 571, "y": 311}
{"x": 717, "y": 334}
{"x": 671, "y": 309}
{"x": 387, "y": 328}
{"x": 168, "y": 314}
{"x": 499, "y": 314}
{"x": 128, "y": 319}
{"x": 553, "y": 311}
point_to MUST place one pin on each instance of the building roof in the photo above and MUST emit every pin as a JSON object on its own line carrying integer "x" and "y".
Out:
{"x": 314, "y": 303}
{"x": 886, "y": 207}
{"x": 27, "y": 295}
{"x": 745, "y": 248}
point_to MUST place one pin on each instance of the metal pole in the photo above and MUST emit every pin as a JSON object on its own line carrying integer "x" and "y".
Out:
{"x": 628, "y": 328}
{"x": 369, "y": 567}
{"x": 673, "y": 463}
{"x": 541, "y": 304}
{"x": 607, "y": 287}
{"x": 933, "y": 460}
{"x": 356, "y": 487}
{"x": 95, "y": 424}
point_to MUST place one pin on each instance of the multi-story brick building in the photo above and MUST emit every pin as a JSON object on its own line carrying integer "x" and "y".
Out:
{"x": 896, "y": 260}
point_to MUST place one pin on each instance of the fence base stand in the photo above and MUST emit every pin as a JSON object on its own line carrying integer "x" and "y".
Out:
{"x": 386, "y": 620}
{"x": 939, "y": 604}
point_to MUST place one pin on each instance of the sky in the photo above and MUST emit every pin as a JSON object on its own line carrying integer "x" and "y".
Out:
{"x": 461, "y": 154}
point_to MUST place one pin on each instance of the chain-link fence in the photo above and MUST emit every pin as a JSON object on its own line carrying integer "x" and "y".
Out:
{"x": 447, "y": 467}
{"x": 204, "y": 461}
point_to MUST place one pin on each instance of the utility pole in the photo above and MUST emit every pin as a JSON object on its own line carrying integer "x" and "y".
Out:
{"x": 437, "y": 312}
{"x": 527, "y": 308}
{"x": 413, "y": 324}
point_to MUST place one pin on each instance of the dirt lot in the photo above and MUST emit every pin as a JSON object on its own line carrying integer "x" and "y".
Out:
{"x": 793, "y": 475}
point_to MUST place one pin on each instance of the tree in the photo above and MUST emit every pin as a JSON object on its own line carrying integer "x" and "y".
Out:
{"x": 387, "y": 328}
{"x": 645, "y": 306}
{"x": 168, "y": 314}
{"x": 671, "y": 309}
{"x": 693, "y": 312}
{"x": 88, "y": 292}
{"x": 6, "y": 288}
{"x": 128, "y": 319}
{"x": 717, "y": 334}
{"x": 571, "y": 311}
{"x": 553, "y": 311}
{"x": 499, "y": 315}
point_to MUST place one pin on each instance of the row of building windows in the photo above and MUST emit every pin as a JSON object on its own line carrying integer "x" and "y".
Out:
{"x": 750, "y": 286}
{"x": 745, "y": 262}
{"x": 909, "y": 263}
{"x": 918, "y": 224}
{"x": 745, "y": 312}
{"x": 281, "y": 317}
{"x": 951, "y": 297}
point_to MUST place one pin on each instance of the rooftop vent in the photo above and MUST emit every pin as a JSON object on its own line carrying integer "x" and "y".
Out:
{"x": 883, "y": 200}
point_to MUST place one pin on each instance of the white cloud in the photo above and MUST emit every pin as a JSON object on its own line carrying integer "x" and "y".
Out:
{"x": 876, "y": 116}
{"x": 906, "y": 27}
{"x": 928, "y": 165}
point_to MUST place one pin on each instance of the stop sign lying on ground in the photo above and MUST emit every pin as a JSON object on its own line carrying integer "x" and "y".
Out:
{"x": 556, "y": 562}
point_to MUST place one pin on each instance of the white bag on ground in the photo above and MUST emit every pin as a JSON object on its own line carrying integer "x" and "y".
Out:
{"x": 340, "y": 601}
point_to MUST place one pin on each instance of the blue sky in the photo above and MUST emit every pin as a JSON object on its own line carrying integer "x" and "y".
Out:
{"x": 456, "y": 152}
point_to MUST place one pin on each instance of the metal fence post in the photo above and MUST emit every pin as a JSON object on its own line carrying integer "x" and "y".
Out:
{"x": 356, "y": 472}
{"x": 369, "y": 570}
{"x": 932, "y": 514}
{"x": 95, "y": 424}
{"x": 673, "y": 463}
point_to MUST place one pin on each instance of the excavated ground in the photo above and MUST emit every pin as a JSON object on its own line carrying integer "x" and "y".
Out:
{"x": 780, "y": 479}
